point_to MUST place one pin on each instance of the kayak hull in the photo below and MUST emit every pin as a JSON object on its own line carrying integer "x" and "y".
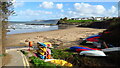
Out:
{"x": 92, "y": 53}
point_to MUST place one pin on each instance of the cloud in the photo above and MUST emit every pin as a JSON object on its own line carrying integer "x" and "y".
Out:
{"x": 30, "y": 12}
{"x": 88, "y": 10}
{"x": 59, "y": 6}
{"x": 72, "y": 0}
{"x": 47, "y": 5}
{"x": 75, "y": 10}
{"x": 113, "y": 10}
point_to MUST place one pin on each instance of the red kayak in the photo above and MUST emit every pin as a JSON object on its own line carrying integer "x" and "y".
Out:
{"x": 78, "y": 49}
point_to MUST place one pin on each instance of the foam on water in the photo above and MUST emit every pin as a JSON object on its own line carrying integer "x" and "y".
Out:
{"x": 22, "y": 28}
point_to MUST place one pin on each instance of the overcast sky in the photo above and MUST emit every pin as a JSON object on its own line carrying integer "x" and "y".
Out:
{"x": 28, "y": 11}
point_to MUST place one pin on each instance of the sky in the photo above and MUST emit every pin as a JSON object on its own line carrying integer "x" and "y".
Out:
{"x": 46, "y": 10}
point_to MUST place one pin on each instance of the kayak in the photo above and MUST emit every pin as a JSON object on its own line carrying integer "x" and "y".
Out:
{"x": 93, "y": 38}
{"x": 48, "y": 44}
{"x": 78, "y": 49}
{"x": 41, "y": 44}
{"x": 92, "y": 53}
{"x": 59, "y": 62}
{"x": 111, "y": 49}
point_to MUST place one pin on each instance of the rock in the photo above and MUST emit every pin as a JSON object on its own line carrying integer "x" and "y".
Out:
{"x": 35, "y": 38}
{"x": 26, "y": 40}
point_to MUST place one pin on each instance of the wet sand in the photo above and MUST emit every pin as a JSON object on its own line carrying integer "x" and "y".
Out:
{"x": 55, "y": 37}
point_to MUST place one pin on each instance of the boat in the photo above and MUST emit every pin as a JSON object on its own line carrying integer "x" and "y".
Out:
{"x": 59, "y": 62}
{"x": 92, "y": 53}
{"x": 78, "y": 49}
{"x": 93, "y": 38}
{"x": 111, "y": 49}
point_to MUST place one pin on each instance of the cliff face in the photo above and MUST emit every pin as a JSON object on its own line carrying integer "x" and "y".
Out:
{"x": 105, "y": 24}
{"x": 100, "y": 25}
{"x": 114, "y": 36}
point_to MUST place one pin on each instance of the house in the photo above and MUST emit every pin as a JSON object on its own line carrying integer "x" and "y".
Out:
{"x": 91, "y": 18}
{"x": 75, "y": 18}
{"x": 99, "y": 18}
{"x": 84, "y": 18}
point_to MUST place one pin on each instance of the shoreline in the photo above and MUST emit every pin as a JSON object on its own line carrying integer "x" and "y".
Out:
{"x": 59, "y": 28}
{"x": 59, "y": 37}
{"x": 44, "y": 31}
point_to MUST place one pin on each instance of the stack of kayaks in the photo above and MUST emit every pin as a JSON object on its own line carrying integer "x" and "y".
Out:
{"x": 88, "y": 51}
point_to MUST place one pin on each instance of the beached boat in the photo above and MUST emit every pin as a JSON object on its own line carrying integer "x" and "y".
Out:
{"x": 92, "y": 53}
{"x": 111, "y": 49}
{"x": 78, "y": 49}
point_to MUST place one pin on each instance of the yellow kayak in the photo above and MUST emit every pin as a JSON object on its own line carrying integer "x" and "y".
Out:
{"x": 60, "y": 62}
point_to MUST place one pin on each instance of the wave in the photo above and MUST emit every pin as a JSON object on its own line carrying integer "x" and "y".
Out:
{"x": 22, "y": 28}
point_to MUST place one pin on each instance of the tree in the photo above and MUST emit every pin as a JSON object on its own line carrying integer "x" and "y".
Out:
{"x": 61, "y": 19}
{"x": 5, "y": 11}
{"x": 65, "y": 19}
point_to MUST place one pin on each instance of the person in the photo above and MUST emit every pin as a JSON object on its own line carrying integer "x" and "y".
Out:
{"x": 30, "y": 44}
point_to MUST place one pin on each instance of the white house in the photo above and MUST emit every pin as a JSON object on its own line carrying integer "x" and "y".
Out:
{"x": 84, "y": 18}
{"x": 98, "y": 18}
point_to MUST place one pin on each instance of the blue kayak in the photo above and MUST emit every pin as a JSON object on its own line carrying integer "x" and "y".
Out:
{"x": 75, "y": 47}
{"x": 78, "y": 49}
{"x": 93, "y": 36}
{"x": 42, "y": 44}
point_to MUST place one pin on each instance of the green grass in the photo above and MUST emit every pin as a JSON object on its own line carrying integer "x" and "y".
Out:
{"x": 80, "y": 21}
{"x": 1, "y": 55}
{"x": 37, "y": 63}
{"x": 61, "y": 54}
{"x": 84, "y": 22}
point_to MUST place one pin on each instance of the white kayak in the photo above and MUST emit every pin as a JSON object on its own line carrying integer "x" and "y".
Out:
{"x": 93, "y": 53}
{"x": 46, "y": 60}
{"x": 111, "y": 49}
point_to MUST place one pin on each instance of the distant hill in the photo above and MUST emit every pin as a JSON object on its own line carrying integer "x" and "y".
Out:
{"x": 36, "y": 22}
{"x": 17, "y": 21}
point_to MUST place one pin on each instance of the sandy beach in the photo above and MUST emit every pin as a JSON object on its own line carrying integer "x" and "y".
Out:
{"x": 60, "y": 37}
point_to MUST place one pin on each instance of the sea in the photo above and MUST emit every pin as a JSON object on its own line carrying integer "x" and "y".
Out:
{"x": 27, "y": 27}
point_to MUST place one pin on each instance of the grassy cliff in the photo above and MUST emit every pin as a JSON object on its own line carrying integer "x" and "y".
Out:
{"x": 90, "y": 23}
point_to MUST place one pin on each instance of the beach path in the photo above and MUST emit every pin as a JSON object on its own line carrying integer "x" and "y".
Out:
{"x": 17, "y": 59}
